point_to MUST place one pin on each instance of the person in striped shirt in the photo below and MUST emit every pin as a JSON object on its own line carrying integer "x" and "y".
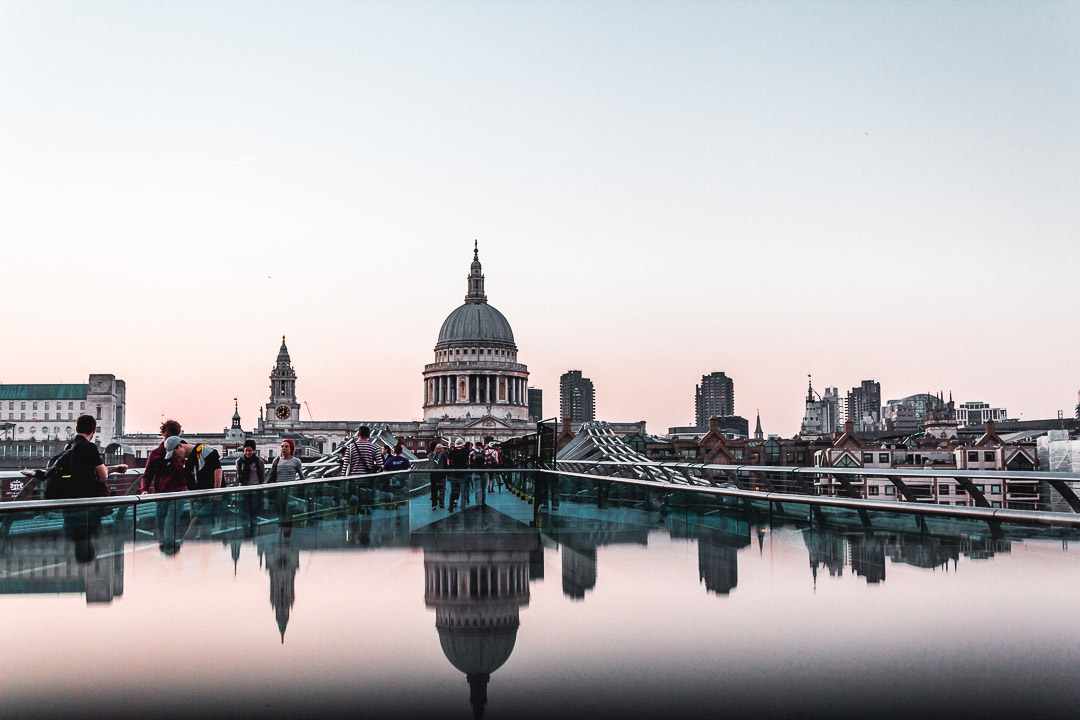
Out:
{"x": 363, "y": 456}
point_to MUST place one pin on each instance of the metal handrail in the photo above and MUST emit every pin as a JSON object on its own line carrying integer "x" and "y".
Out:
{"x": 1024, "y": 517}
{"x": 42, "y": 505}
{"x": 814, "y": 470}
{"x": 1059, "y": 482}
{"x": 990, "y": 515}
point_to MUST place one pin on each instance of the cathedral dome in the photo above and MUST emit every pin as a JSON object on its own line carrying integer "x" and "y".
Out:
{"x": 475, "y": 323}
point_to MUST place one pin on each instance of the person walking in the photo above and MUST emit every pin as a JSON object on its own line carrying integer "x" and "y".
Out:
{"x": 478, "y": 461}
{"x": 361, "y": 456}
{"x": 287, "y": 467}
{"x": 458, "y": 460}
{"x": 438, "y": 462}
{"x": 493, "y": 459}
{"x": 250, "y": 470}
{"x": 397, "y": 461}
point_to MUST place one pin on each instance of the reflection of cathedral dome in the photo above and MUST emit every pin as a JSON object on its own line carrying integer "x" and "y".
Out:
{"x": 477, "y": 651}
{"x": 475, "y": 322}
{"x": 477, "y": 596}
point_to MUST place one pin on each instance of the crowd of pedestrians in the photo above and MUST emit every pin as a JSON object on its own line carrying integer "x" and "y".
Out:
{"x": 177, "y": 465}
{"x": 459, "y": 460}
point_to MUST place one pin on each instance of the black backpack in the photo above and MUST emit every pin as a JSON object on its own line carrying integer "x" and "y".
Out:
{"x": 60, "y": 475}
{"x": 63, "y": 480}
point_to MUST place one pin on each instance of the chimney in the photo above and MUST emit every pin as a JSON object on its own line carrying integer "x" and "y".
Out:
{"x": 849, "y": 427}
{"x": 714, "y": 424}
{"x": 989, "y": 427}
{"x": 566, "y": 425}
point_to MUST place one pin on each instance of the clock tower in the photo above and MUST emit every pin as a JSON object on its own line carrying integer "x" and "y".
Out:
{"x": 282, "y": 412}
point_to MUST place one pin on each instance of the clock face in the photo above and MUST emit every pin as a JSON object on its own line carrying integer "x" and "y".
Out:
{"x": 283, "y": 412}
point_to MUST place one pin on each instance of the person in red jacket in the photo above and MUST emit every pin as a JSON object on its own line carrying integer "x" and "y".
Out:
{"x": 165, "y": 474}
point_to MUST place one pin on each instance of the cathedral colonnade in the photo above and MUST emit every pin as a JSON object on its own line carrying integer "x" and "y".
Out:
{"x": 476, "y": 388}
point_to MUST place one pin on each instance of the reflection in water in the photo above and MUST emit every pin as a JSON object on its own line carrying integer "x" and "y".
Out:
{"x": 866, "y": 551}
{"x": 476, "y": 588}
{"x": 479, "y": 564}
{"x": 720, "y": 537}
{"x": 282, "y": 561}
{"x": 578, "y": 571}
{"x": 71, "y": 555}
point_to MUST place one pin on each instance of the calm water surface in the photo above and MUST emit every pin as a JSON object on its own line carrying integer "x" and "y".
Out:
{"x": 598, "y": 613}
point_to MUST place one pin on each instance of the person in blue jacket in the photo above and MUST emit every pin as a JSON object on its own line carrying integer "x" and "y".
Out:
{"x": 396, "y": 461}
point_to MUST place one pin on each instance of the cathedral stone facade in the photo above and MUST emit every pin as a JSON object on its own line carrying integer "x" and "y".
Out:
{"x": 476, "y": 372}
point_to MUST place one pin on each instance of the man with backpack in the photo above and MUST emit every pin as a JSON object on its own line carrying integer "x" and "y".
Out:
{"x": 202, "y": 467}
{"x": 458, "y": 460}
{"x": 361, "y": 456}
{"x": 438, "y": 461}
{"x": 478, "y": 461}
{"x": 78, "y": 472}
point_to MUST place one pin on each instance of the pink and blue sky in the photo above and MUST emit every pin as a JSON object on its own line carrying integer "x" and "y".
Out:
{"x": 660, "y": 190}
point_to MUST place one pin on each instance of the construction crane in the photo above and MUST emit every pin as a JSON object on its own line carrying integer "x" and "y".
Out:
{"x": 308, "y": 410}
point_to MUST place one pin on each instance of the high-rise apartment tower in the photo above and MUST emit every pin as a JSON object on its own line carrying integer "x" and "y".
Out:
{"x": 714, "y": 397}
{"x": 576, "y": 400}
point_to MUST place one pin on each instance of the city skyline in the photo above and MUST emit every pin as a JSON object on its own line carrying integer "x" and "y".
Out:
{"x": 659, "y": 191}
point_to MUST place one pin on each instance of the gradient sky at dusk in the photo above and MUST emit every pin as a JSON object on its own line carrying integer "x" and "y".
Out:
{"x": 660, "y": 190}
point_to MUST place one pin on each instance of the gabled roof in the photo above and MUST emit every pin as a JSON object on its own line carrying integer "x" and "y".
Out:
{"x": 989, "y": 438}
{"x": 487, "y": 418}
{"x": 47, "y": 391}
{"x": 848, "y": 439}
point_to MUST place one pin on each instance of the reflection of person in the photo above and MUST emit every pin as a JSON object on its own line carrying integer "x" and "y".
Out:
{"x": 438, "y": 463}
